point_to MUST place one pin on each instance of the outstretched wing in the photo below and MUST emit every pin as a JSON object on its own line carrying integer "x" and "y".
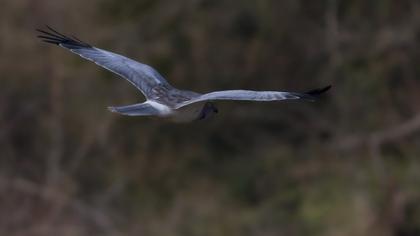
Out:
{"x": 142, "y": 76}
{"x": 249, "y": 95}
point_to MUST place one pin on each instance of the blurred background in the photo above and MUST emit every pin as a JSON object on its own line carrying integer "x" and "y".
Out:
{"x": 345, "y": 165}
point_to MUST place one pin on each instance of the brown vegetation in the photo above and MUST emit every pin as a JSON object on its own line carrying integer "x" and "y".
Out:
{"x": 346, "y": 165}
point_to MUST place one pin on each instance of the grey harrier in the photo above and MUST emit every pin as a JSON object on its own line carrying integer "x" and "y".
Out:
{"x": 162, "y": 99}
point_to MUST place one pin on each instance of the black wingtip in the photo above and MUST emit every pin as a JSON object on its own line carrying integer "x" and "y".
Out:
{"x": 50, "y": 35}
{"x": 316, "y": 92}
{"x": 50, "y": 41}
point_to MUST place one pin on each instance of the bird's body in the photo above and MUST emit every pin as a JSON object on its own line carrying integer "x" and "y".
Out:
{"x": 187, "y": 113}
{"x": 162, "y": 99}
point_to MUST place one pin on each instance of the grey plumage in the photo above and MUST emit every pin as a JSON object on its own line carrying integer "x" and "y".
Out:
{"x": 142, "y": 76}
{"x": 139, "y": 109}
{"x": 162, "y": 99}
{"x": 245, "y": 95}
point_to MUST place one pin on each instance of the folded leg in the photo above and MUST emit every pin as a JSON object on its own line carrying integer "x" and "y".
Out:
{"x": 139, "y": 109}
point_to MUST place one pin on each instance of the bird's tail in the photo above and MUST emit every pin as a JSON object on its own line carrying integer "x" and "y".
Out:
{"x": 140, "y": 109}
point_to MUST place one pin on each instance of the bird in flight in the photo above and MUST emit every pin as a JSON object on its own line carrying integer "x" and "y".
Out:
{"x": 162, "y": 99}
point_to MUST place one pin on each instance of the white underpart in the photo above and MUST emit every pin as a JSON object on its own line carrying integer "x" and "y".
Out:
{"x": 184, "y": 114}
{"x": 163, "y": 109}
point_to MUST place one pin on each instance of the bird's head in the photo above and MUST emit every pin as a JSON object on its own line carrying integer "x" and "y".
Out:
{"x": 209, "y": 109}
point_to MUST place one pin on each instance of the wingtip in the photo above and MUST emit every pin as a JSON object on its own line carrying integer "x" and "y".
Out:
{"x": 328, "y": 87}
{"x": 316, "y": 92}
{"x": 50, "y": 35}
{"x": 51, "y": 41}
